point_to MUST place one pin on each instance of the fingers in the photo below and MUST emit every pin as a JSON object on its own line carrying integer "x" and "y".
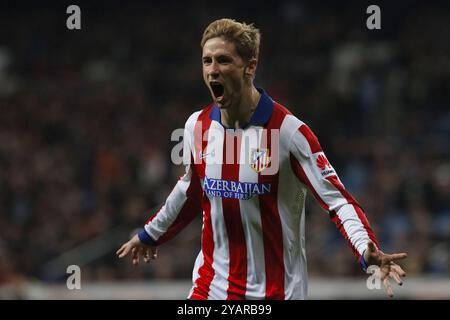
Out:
{"x": 150, "y": 254}
{"x": 135, "y": 257}
{"x": 123, "y": 251}
{"x": 396, "y": 256}
{"x": 395, "y": 272}
{"x": 398, "y": 270}
{"x": 154, "y": 251}
{"x": 384, "y": 272}
{"x": 396, "y": 277}
{"x": 146, "y": 253}
{"x": 119, "y": 252}
{"x": 388, "y": 288}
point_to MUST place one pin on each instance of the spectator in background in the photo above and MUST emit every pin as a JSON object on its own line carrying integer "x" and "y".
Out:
{"x": 67, "y": 99}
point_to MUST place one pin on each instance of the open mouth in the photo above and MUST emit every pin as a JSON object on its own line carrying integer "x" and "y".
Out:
{"x": 217, "y": 89}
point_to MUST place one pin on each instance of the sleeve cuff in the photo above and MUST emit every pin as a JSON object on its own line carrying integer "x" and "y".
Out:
{"x": 362, "y": 262}
{"x": 145, "y": 238}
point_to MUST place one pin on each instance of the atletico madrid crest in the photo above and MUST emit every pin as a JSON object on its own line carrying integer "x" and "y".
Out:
{"x": 259, "y": 159}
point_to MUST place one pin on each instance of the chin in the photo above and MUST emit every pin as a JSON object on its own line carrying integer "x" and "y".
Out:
{"x": 221, "y": 105}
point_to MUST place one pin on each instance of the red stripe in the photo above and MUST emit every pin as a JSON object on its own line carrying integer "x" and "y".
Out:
{"x": 237, "y": 276}
{"x": 201, "y": 129}
{"x": 338, "y": 185}
{"x": 301, "y": 175}
{"x": 297, "y": 168}
{"x": 270, "y": 218}
{"x": 206, "y": 271}
{"x": 337, "y": 221}
{"x": 366, "y": 224}
{"x": 154, "y": 216}
{"x": 311, "y": 138}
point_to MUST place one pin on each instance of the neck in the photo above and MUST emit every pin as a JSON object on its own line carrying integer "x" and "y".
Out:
{"x": 240, "y": 114}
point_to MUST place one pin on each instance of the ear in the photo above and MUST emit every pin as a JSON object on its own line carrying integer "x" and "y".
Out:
{"x": 250, "y": 69}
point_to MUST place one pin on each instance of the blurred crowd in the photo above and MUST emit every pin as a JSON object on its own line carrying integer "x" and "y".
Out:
{"x": 86, "y": 118}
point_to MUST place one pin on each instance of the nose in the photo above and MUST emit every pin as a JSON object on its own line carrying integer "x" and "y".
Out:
{"x": 213, "y": 71}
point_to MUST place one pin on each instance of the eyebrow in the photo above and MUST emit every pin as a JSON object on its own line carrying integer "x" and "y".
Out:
{"x": 220, "y": 56}
{"x": 225, "y": 56}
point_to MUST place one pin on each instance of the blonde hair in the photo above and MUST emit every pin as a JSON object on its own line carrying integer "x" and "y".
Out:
{"x": 245, "y": 36}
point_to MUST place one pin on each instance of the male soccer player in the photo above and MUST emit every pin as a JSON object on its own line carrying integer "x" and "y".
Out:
{"x": 249, "y": 163}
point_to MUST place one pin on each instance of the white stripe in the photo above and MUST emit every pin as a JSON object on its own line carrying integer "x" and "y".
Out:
{"x": 251, "y": 219}
{"x": 195, "y": 272}
{"x": 221, "y": 259}
{"x": 291, "y": 208}
{"x": 354, "y": 227}
{"x": 169, "y": 212}
{"x": 291, "y": 200}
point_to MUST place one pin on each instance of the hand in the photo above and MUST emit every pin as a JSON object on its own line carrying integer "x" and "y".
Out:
{"x": 388, "y": 268}
{"x": 137, "y": 248}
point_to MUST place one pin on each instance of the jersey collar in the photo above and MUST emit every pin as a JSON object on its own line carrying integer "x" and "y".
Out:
{"x": 261, "y": 115}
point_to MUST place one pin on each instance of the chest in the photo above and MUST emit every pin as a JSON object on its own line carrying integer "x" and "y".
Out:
{"x": 238, "y": 164}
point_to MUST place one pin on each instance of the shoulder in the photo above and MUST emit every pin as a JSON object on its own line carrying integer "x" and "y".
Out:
{"x": 287, "y": 122}
{"x": 293, "y": 130}
{"x": 196, "y": 116}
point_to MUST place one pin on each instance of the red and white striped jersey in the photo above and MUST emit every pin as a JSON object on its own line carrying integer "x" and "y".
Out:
{"x": 251, "y": 186}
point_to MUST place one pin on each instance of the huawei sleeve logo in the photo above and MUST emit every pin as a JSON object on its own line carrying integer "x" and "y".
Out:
{"x": 324, "y": 165}
{"x": 322, "y": 162}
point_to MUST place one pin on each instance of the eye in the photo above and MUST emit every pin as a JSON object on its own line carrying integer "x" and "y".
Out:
{"x": 206, "y": 60}
{"x": 224, "y": 60}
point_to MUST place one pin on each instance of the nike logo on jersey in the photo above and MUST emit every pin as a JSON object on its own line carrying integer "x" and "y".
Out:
{"x": 204, "y": 155}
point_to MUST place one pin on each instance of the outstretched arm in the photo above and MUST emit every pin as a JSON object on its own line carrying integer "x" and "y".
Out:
{"x": 310, "y": 165}
{"x": 184, "y": 202}
{"x": 179, "y": 209}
